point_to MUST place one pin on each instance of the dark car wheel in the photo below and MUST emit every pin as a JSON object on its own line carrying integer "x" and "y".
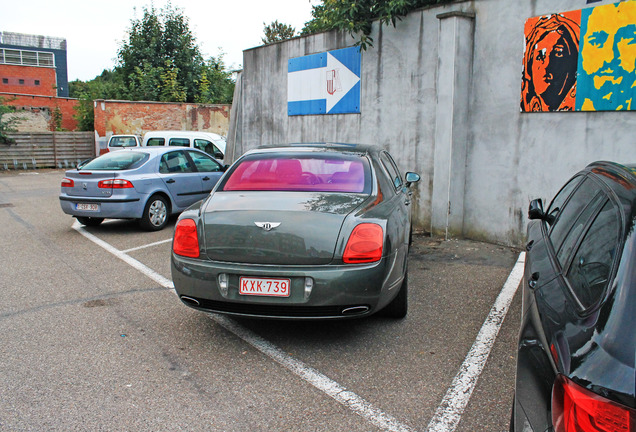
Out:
{"x": 156, "y": 214}
{"x": 90, "y": 221}
{"x": 399, "y": 306}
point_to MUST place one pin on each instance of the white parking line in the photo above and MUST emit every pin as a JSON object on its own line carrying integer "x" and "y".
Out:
{"x": 122, "y": 256}
{"x": 315, "y": 378}
{"x": 449, "y": 412}
{"x": 147, "y": 246}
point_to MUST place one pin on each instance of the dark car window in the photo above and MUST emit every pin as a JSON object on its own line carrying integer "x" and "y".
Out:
{"x": 120, "y": 160}
{"x": 590, "y": 270}
{"x": 391, "y": 169}
{"x": 568, "y": 215}
{"x": 204, "y": 163}
{"x": 560, "y": 198}
{"x": 174, "y": 162}
{"x": 579, "y": 225}
{"x": 179, "y": 142}
{"x": 156, "y": 142}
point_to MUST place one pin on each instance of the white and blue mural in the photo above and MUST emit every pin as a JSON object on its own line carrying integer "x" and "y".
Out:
{"x": 324, "y": 83}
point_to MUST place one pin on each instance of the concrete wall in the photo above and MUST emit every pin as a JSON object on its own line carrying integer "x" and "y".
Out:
{"x": 130, "y": 117}
{"x": 36, "y": 112}
{"x": 441, "y": 91}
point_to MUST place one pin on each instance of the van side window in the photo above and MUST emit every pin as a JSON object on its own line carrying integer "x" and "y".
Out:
{"x": 592, "y": 264}
{"x": 156, "y": 142}
{"x": 179, "y": 142}
{"x": 206, "y": 146}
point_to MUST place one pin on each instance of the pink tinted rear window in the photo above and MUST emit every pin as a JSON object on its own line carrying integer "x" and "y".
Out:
{"x": 320, "y": 174}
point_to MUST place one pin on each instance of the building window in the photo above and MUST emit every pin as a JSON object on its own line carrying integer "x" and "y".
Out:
{"x": 26, "y": 58}
{"x": 21, "y": 81}
{"x": 5, "y": 80}
{"x": 37, "y": 82}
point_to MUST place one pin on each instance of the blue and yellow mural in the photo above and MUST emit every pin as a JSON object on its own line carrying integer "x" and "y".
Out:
{"x": 582, "y": 60}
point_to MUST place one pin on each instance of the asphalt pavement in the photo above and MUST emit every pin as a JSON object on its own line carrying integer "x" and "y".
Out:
{"x": 94, "y": 338}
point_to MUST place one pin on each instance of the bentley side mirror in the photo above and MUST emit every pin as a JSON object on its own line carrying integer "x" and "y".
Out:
{"x": 411, "y": 177}
{"x": 535, "y": 210}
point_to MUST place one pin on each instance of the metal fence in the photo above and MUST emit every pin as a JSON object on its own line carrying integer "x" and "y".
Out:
{"x": 46, "y": 150}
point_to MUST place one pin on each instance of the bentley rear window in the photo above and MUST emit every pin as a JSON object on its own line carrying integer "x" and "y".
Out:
{"x": 323, "y": 173}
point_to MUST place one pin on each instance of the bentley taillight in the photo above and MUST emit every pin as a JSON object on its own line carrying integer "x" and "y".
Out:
{"x": 576, "y": 409}
{"x": 186, "y": 240}
{"x": 365, "y": 244}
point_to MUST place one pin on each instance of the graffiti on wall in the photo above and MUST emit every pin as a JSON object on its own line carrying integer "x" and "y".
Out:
{"x": 582, "y": 60}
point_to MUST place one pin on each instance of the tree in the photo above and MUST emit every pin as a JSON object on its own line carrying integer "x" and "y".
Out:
{"x": 160, "y": 50}
{"x": 216, "y": 84}
{"x": 108, "y": 85}
{"x": 276, "y": 32}
{"x": 7, "y": 121}
{"x": 159, "y": 61}
{"x": 357, "y": 16}
{"x": 56, "y": 119}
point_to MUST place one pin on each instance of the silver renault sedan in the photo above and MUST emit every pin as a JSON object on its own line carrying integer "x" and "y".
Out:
{"x": 144, "y": 183}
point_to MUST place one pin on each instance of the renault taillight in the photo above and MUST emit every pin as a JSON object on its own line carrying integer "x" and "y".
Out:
{"x": 114, "y": 184}
{"x": 576, "y": 409}
{"x": 186, "y": 240}
{"x": 365, "y": 244}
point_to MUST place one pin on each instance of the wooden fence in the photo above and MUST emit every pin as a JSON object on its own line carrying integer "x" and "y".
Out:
{"x": 46, "y": 150}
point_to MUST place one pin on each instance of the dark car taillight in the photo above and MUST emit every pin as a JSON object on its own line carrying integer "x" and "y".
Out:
{"x": 186, "y": 240}
{"x": 67, "y": 182}
{"x": 365, "y": 244}
{"x": 114, "y": 184}
{"x": 576, "y": 409}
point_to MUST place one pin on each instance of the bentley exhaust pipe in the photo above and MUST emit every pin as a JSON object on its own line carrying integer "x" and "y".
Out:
{"x": 355, "y": 310}
{"x": 190, "y": 301}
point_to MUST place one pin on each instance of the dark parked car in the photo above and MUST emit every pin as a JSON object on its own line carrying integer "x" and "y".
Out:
{"x": 576, "y": 353}
{"x": 305, "y": 231}
{"x": 144, "y": 183}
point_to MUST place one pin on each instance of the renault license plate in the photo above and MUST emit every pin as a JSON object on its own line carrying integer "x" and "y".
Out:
{"x": 264, "y": 286}
{"x": 87, "y": 207}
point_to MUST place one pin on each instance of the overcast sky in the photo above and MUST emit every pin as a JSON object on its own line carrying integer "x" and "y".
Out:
{"x": 94, "y": 29}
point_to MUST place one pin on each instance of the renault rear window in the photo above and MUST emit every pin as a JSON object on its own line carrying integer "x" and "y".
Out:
{"x": 311, "y": 173}
{"x": 115, "y": 161}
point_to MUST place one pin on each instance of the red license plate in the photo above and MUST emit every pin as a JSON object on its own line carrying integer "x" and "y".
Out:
{"x": 264, "y": 286}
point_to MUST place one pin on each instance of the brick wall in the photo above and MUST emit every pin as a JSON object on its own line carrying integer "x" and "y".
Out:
{"x": 127, "y": 117}
{"x": 28, "y": 80}
{"x": 43, "y": 107}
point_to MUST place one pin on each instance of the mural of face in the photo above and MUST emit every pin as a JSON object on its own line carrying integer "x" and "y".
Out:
{"x": 550, "y": 63}
{"x": 551, "y": 66}
{"x": 607, "y": 66}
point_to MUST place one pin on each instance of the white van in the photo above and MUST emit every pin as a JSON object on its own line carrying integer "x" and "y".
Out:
{"x": 209, "y": 142}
